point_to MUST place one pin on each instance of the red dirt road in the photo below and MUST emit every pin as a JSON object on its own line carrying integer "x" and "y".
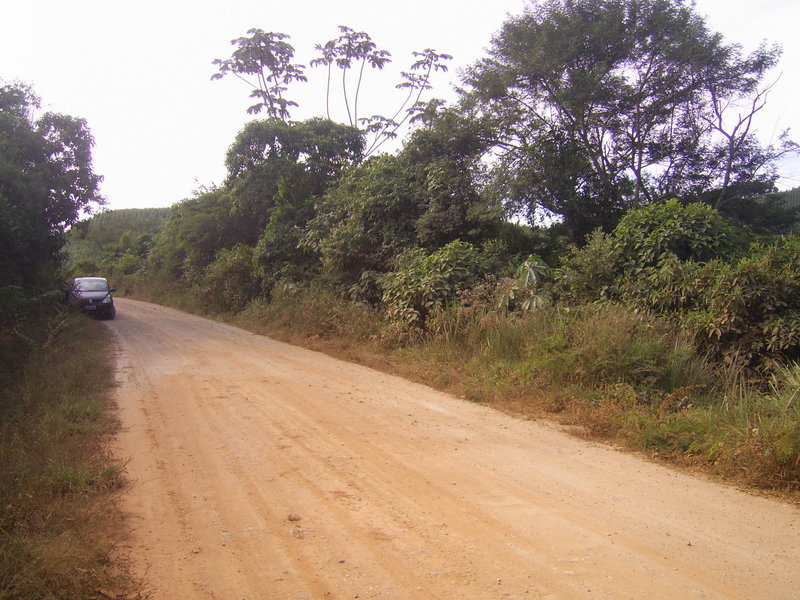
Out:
{"x": 259, "y": 470}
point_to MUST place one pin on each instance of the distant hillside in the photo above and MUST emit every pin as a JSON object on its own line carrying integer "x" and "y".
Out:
{"x": 108, "y": 227}
{"x": 115, "y": 240}
{"x": 791, "y": 198}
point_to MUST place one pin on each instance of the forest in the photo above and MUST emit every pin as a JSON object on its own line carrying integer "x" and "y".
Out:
{"x": 592, "y": 227}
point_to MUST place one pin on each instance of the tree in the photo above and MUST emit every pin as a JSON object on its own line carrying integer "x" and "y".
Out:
{"x": 320, "y": 145}
{"x": 605, "y": 105}
{"x": 281, "y": 167}
{"x": 195, "y": 231}
{"x": 229, "y": 282}
{"x": 365, "y": 220}
{"x": 264, "y": 62}
{"x": 46, "y": 182}
{"x": 351, "y": 48}
{"x": 445, "y": 152}
{"x": 427, "y": 62}
{"x": 426, "y": 196}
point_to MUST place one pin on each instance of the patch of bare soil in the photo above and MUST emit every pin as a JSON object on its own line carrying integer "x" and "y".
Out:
{"x": 260, "y": 470}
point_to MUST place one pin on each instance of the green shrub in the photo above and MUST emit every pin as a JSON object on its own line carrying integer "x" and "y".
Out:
{"x": 670, "y": 259}
{"x": 84, "y": 267}
{"x": 648, "y": 236}
{"x": 750, "y": 311}
{"x": 590, "y": 273}
{"x": 526, "y": 292}
{"x": 422, "y": 282}
{"x": 229, "y": 283}
{"x": 647, "y": 249}
{"x": 129, "y": 263}
{"x": 672, "y": 287}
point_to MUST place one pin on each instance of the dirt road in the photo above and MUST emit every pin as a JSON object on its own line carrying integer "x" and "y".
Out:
{"x": 260, "y": 470}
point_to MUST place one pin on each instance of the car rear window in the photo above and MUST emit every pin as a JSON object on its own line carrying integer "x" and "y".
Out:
{"x": 91, "y": 285}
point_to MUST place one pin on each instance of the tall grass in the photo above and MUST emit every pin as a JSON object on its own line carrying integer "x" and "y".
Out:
{"x": 177, "y": 293}
{"x": 748, "y": 433}
{"x": 58, "y": 520}
{"x": 549, "y": 350}
{"x": 317, "y": 314}
{"x": 627, "y": 377}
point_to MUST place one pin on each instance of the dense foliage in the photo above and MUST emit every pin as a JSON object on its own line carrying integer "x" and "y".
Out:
{"x": 46, "y": 181}
{"x": 421, "y": 282}
{"x": 688, "y": 263}
{"x": 614, "y": 117}
{"x": 598, "y": 107}
{"x": 118, "y": 240}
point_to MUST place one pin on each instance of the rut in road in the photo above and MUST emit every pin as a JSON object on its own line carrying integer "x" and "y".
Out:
{"x": 259, "y": 470}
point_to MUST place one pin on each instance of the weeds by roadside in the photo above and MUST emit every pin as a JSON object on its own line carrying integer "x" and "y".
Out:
{"x": 615, "y": 374}
{"x": 58, "y": 519}
{"x": 627, "y": 378}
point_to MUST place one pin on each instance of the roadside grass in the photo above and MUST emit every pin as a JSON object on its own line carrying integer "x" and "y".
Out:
{"x": 162, "y": 290}
{"x": 59, "y": 522}
{"x": 626, "y": 378}
{"x": 603, "y": 371}
{"x": 748, "y": 434}
{"x": 316, "y": 315}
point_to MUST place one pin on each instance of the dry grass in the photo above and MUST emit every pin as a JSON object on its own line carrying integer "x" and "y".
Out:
{"x": 58, "y": 519}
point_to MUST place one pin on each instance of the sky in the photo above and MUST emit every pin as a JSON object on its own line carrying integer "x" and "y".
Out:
{"x": 140, "y": 72}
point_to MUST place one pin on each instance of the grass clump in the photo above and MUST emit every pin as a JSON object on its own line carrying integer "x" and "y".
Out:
{"x": 751, "y": 434}
{"x": 317, "y": 315}
{"x": 58, "y": 520}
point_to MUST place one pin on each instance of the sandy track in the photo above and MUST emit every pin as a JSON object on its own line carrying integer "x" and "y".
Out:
{"x": 259, "y": 470}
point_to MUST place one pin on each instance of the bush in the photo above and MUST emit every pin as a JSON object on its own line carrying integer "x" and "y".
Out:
{"x": 672, "y": 288}
{"x": 590, "y": 273}
{"x": 670, "y": 259}
{"x": 84, "y": 267}
{"x": 750, "y": 311}
{"x": 228, "y": 283}
{"x": 648, "y": 236}
{"x": 647, "y": 245}
{"x": 422, "y": 282}
{"x": 129, "y": 263}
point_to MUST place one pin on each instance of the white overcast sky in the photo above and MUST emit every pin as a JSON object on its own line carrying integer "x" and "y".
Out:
{"x": 139, "y": 72}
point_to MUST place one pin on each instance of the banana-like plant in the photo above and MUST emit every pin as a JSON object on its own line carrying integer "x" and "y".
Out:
{"x": 526, "y": 289}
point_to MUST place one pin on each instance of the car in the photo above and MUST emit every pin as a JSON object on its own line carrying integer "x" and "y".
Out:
{"x": 92, "y": 295}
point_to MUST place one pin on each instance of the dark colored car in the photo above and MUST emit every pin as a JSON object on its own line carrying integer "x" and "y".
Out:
{"x": 92, "y": 295}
